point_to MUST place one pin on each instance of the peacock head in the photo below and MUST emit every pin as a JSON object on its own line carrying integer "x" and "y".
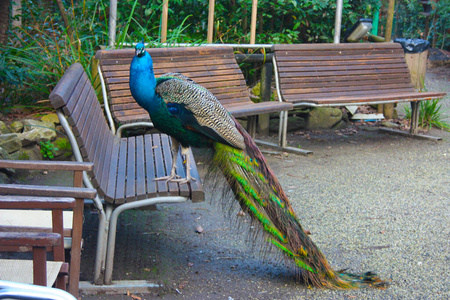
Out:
{"x": 140, "y": 49}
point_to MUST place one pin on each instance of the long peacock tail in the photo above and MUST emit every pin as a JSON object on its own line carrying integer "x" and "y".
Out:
{"x": 260, "y": 195}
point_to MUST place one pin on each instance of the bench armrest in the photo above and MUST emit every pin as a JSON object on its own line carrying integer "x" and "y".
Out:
{"x": 46, "y": 165}
{"x": 35, "y": 239}
{"x": 47, "y": 191}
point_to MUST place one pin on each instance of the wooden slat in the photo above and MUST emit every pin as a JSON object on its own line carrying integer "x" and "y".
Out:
{"x": 33, "y": 202}
{"x": 140, "y": 168}
{"x": 166, "y": 145}
{"x": 47, "y": 191}
{"x": 47, "y": 165}
{"x": 121, "y": 173}
{"x": 373, "y": 98}
{"x": 150, "y": 168}
{"x": 110, "y": 191}
{"x": 79, "y": 120}
{"x": 88, "y": 131}
{"x": 130, "y": 188}
{"x": 196, "y": 189}
{"x": 160, "y": 168}
{"x": 103, "y": 169}
{"x": 97, "y": 152}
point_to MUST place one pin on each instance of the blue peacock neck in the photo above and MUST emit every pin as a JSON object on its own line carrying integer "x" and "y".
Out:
{"x": 143, "y": 83}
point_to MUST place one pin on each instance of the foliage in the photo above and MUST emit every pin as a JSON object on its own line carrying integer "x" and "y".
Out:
{"x": 410, "y": 22}
{"x": 47, "y": 149}
{"x": 39, "y": 53}
{"x": 430, "y": 115}
{"x": 63, "y": 144}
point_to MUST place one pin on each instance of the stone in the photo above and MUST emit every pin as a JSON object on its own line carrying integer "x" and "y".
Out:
{"x": 389, "y": 124}
{"x": 63, "y": 149}
{"x": 31, "y": 124}
{"x": 28, "y": 153}
{"x": 3, "y": 128}
{"x": 10, "y": 142}
{"x": 37, "y": 135}
{"x": 50, "y": 118}
{"x": 323, "y": 118}
{"x": 340, "y": 125}
{"x": 16, "y": 126}
{"x": 294, "y": 124}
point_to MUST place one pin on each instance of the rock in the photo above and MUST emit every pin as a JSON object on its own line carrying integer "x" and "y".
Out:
{"x": 63, "y": 148}
{"x": 294, "y": 123}
{"x": 341, "y": 125}
{"x": 50, "y": 118}
{"x": 4, "y": 154}
{"x": 28, "y": 153}
{"x": 10, "y": 142}
{"x": 6, "y": 173}
{"x": 37, "y": 134}
{"x": 323, "y": 118}
{"x": 3, "y": 128}
{"x": 31, "y": 124}
{"x": 16, "y": 126}
{"x": 389, "y": 124}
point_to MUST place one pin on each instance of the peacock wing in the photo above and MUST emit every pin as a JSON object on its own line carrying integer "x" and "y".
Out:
{"x": 199, "y": 109}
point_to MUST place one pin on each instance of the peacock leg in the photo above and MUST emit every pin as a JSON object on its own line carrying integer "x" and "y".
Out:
{"x": 187, "y": 163}
{"x": 175, "y": 148}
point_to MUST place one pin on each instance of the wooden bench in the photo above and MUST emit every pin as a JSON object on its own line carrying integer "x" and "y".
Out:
{"x": 124, "y": 169}
{"x": 18, "y": 235}
{"x": 313, "y": 75}
{"x": 213, "y": 67}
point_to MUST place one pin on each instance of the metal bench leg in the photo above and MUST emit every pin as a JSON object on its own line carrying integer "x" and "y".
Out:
{"x": 102, "y": 242}
{"x": 282, "y": 138}
{"x": 282, "y": 129}
{"x": 415, "y": 107}
{"x": 251, "y": 126}
{"x": 113, "y": 227}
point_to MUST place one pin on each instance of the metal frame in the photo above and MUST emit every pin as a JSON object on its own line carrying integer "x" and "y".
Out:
{"x": 108, "y": 215}
{"x": 15, "y": 290}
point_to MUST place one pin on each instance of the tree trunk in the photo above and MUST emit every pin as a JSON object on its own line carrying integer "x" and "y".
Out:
{"x": 4, "y": 21}
{"x": 63, "y": 12}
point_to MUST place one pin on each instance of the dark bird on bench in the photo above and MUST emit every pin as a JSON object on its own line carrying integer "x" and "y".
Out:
{"x": 192, "y": 116}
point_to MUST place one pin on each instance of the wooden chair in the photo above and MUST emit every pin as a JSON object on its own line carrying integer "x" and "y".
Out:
{"x": 124, "y": 168}
{"x": 35, "y": 235}
{"x": 213, "y": 67}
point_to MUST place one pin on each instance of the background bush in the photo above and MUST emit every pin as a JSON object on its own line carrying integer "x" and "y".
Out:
{"x": 37, "y": 54}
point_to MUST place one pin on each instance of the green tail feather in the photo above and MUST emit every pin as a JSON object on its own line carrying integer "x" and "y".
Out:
{"x": 260, "y": 194}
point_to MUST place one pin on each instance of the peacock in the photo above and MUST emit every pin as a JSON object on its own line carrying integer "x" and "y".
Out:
{"x": 193, "y": 117}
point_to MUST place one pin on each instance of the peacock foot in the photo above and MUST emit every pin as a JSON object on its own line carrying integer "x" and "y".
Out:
{"x": 175, "y": 178}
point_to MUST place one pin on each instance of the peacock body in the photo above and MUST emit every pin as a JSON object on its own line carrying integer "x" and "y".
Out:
{"x": 192, "y": 116}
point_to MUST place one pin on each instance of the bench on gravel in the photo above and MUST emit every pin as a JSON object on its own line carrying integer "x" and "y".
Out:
{"x": 124, "y": 169}
{"x": 314, "y": 75}
{"x": 213, "y": 67}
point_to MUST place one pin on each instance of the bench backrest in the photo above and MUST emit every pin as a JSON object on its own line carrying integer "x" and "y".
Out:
{"x": 76, "y": 97}
{"x": 320, "y": 71}
{"x": 215, "y": 68}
